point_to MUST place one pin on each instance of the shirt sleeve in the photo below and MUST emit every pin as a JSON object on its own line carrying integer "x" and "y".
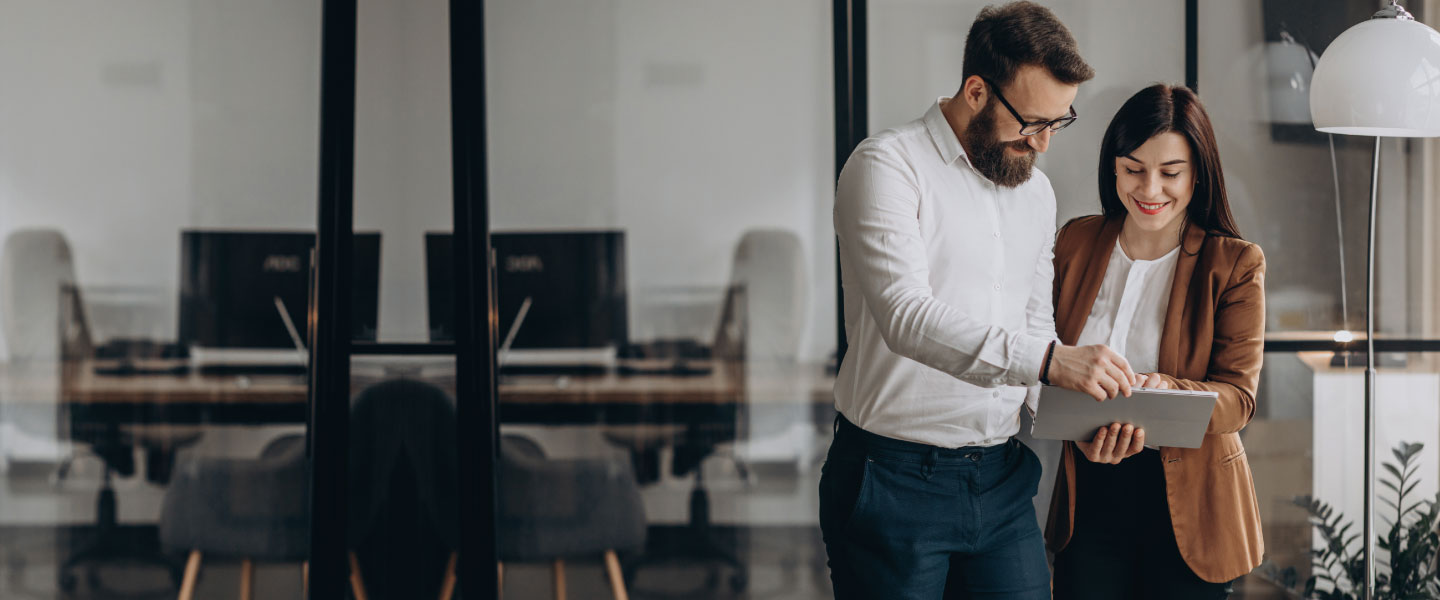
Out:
{"x": 1040, "y": 310}
{"x": 883, "y": 255}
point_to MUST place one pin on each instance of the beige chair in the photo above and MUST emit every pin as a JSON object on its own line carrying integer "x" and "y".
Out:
{"x": 48, "y": 336}
{"x": 37, "y": 276}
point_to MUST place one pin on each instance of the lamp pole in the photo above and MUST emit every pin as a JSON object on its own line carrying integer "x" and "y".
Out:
{"x": 1370, "y": 377}
{"x": 1365, "y": 85}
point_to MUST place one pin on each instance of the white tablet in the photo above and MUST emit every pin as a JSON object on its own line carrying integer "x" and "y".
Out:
{"x": 1174, "y": 418}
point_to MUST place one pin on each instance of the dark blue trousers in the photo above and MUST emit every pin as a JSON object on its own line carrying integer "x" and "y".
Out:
{"x": 904, "y": 520}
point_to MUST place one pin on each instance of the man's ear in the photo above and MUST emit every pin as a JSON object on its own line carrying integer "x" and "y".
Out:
{"x": 975, "y": 92}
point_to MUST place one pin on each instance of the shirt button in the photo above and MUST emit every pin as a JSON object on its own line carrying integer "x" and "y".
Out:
{"x": 997, "y": 234}
{"x": 997, "y": 287}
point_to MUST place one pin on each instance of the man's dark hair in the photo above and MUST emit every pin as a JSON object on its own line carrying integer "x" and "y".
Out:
{"x": 1007, "y": 37}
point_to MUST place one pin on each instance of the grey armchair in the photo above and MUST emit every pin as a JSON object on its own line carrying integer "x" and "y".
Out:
{"x": 251, "y": 509}
{"x": 552, "y": 509}
{"x": 402, "y": 495}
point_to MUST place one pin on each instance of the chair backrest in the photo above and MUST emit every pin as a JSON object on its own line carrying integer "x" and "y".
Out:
{"x": 768, "y": 306}
{"x": 768, "y": 275}
{"x": 404, "y": 505}
{"x": 36, "y": 271}
{"x": 519, "y": 447}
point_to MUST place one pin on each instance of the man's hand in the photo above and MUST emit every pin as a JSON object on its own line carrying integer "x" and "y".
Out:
{"x": 1095, "y": 370}
{"x": 1113, "y": 444}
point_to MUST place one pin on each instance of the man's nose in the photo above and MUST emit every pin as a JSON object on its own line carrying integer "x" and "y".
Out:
{"x": 1040, "y": 142}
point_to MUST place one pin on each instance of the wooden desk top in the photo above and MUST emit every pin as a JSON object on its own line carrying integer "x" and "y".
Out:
{"x": 804, "y": 384}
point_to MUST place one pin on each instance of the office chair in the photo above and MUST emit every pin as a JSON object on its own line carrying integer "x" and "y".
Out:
{"x": 35, "y": 269}
{"x": 770, "y": 265}
{"x": 759, "y": 333}
{"x": 404, "y": 497}
{"x": 551, "y": 510}
{"x": 250, "y": 509}
{"x": 48, "y": 335}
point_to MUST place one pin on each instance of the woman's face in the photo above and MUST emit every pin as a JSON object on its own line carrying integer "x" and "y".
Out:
{"x": 1156, "y": 181}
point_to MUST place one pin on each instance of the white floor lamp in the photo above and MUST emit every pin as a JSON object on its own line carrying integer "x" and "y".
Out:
{"x": 1380, "y": 78}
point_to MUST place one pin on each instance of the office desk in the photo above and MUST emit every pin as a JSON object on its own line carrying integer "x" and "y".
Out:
{"x": 251, "y": 400}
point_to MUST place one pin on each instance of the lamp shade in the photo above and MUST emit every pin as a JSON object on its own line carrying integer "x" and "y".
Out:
{"x": 1289, "y": 68}
{"x": 1379, "y": 78}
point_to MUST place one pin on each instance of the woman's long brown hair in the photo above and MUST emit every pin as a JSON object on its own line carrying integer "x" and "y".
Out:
{"x": 1159, "y": 109}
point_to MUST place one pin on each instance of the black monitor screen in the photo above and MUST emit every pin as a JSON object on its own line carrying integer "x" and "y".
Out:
{"x": 229, "y": 281}
{"x": 575, "y": 282}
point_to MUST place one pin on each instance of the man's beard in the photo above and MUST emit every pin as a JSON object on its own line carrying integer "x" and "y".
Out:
{"x": 988, "y": 154}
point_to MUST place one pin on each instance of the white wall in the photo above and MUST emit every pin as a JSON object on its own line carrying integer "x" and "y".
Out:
{"x": 403, "y": 184}
{"x": 682, "y": 123}
{"x": 153, "y": 117}
{"x": 96, "y": 134}
{"x": 123, "y": 123}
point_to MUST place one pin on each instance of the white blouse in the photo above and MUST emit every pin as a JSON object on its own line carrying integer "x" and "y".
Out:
{"x": 1129, "y": 311}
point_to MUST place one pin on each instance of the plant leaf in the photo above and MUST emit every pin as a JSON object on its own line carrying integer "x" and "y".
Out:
{"x": 1393, "y": 471}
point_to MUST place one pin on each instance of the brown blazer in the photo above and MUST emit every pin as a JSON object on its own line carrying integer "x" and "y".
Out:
{"x": 1213, "y": 340}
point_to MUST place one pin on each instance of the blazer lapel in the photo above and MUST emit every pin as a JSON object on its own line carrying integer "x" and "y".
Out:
{"x": 1095, "y": 266}
{"x": 1170, "y": 337}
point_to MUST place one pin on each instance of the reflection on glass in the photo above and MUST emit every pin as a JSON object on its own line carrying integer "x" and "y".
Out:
{"x": 403, "y": 532}
{"x": 1306, "y": 444}
{"x": 699, "y": 438}
{"x": 404, "y": 515}
{"x": 1306, "y": 439}
{"x": 127, "y": 470}
{"x": 1312, "y": 227}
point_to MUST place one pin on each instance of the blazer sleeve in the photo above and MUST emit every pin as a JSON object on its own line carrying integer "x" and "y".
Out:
{"x": 1238, "y": 347}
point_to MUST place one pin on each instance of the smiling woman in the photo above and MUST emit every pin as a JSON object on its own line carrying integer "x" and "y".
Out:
{"x": 1164, "y": 279}
{"x": 1156, "y": 181}
{"x": 1159, "y": 156}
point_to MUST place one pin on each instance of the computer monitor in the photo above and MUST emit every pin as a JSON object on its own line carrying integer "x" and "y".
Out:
{"x": 575, "y": 282}
{"x": 230, "y": 280}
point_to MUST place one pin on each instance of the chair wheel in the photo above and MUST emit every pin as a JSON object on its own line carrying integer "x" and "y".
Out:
{"x": 738, "y": 582}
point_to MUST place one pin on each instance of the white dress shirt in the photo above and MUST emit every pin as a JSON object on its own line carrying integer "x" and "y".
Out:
{"x": 1129, "y": 311}
{"x": 947, "y": 281}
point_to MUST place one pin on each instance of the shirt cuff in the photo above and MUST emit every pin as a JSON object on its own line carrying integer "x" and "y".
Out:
{"x": 1029, "y": 358}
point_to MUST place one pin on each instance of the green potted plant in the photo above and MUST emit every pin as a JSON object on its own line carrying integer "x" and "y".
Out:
{"x": 1411, "y": 543}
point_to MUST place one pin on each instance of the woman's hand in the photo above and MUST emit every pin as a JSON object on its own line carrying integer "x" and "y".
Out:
{"x": 1152, "y": 381}
{"x": 1113, "y": 444}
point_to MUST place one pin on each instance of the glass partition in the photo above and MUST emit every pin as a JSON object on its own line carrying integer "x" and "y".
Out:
{"x": 157, "y": 208}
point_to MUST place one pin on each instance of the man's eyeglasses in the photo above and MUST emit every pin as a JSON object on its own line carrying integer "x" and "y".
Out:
{"x": 1032, "y": 127}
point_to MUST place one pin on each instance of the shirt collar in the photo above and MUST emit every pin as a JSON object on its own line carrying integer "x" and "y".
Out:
{"x": 945, "y": 141}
